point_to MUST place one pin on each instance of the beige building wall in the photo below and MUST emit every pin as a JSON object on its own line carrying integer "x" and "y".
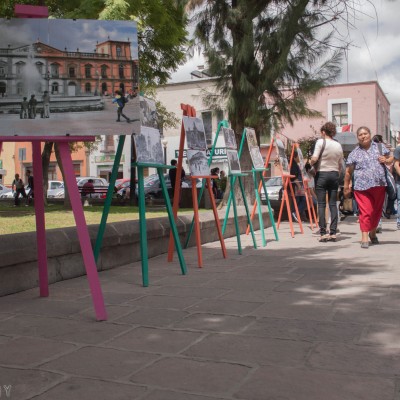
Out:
{"x": 7, "y": 157}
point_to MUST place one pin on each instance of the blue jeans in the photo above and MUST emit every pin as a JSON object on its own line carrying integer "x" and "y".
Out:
{"x": 398, "y": 201}
{"x": 327, "y": 183}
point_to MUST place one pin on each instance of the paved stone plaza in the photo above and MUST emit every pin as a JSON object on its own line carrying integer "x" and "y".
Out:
{"x": 295, "y": 320}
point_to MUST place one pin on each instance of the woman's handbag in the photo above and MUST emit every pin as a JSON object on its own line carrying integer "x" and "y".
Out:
{"x": 391, "y": 189}
{"x": 314, "y": 168}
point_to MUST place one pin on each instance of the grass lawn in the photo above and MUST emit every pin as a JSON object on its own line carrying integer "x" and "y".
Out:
{"x": 22, "y": 219}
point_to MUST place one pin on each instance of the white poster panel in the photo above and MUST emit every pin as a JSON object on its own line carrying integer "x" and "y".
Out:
{"x": 195, "y": 135}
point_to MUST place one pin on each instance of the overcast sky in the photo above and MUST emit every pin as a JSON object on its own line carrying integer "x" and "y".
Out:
{"x": 373, "y": 55}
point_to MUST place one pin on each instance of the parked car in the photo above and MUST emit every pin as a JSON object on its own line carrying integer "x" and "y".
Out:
{"x": 53, "y": 187}
{"x": 10, "y": 194}
{"x": 99, "y": 183}
{"x": 4, "y": 190}
{"x": 274, "y": 190}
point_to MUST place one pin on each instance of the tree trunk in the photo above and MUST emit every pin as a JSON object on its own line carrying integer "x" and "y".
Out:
{"x": 67, "y": 201}
{"x": 46, "y": 154}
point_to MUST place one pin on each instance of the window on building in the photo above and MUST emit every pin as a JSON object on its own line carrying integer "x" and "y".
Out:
{"x": 104, "y": 71}
{"x": 88, "y": 71}
{"x": 119, "y": 51}
{"x": 20, "y": 68}
{"x": 88, "y": 87}
{"x": 54, "y": 88}
{"x": 20, "y": 88}
{"x": 77, "y": 169}
{"x": 3, "y": 70}
{"x": 71, "y": 71}
{"x": 104, "y": 88}
{"x": 121, "y": 71}
{"x": 52, "y": 172}
{"x": 207, "y": 121}
{"x": 39, "y": 67}
{"x": 340, "y": 114}
{"x": 54, "y": 70}
{"x": 3, "y": 88}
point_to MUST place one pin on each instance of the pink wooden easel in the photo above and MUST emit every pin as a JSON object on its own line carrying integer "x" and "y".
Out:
{"x": 83, "y": 233}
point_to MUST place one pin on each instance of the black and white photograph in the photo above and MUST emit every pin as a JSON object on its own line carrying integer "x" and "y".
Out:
{"x": 148, "y": 113}
{"x": 301, "y": 163}
{"x": 68, "y": 77}
{"x": 198, "y": 163}
{"x": 229, "y": 136}
{"x": 251, "y": 137}
{"x": 283, "y": 161}
{"x": 233, "y": 161}
{"x": 195, "y": 136}
{"x": 148, "y": 146}
{"x": 256, "y": 157}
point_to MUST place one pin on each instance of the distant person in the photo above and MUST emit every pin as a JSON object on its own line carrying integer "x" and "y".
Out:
{"x": 24, "y": 108}
{"x": 367, "y": 165}
{"x": 120, "y": 100}
{"x": 88, "y": 189}
{"x": 396, "y": 173}
{"x": 18, "y": 188}
{"x": 298, "y": 188}
{"x": 32, "y": 105}
{"x": 46, "y": 104}
{"x": 214, "y": 182}
{"x": 30, "y": 186}
{"x": 222, "y": 184}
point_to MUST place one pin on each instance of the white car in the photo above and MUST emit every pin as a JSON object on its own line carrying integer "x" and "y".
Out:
{"x": 4, "y": 190}
{"x": 98, "y": 183}
{"x": 274, "y": 190}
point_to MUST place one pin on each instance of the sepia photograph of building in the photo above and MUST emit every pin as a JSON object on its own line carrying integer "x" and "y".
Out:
{"x": 229, "y": 136}
{"x": 148, "y": 146}
{"x": 198, "y": 163}
{"x": 233, "y": 161}
{"x": 62, "y": 77}
{"x": 195, "y": 136}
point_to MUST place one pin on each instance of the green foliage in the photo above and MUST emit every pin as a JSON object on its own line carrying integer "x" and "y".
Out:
{"x": 269, "y": 56}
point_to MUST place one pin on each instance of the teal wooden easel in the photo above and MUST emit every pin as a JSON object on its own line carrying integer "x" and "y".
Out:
{"x": 232, "y": 180}
{"x": 142, "y": 219}
{"x": 260, "y": 172}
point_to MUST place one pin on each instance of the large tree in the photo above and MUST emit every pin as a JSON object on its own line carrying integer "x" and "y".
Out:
{"x": 269, "y": 57}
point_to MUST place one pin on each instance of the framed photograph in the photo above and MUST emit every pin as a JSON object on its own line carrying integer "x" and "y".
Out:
{"x": 198, "y": 163}
{"x": 233, "y": 161}
{"x": 148, "y": 146}
{"x": 251, "y": 137}
{"x": 148, "y": 113}
{"x": 256, "y": 157}
{"x": 302, "y": 164}
{"x": 283, "y": 161}
{"x": 68, "y": 77}
{"x": 230, "y": 139}
{"x": 195, "y": 136}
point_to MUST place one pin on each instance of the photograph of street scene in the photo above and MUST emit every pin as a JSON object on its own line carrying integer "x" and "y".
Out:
{"x": 68, "y": 77}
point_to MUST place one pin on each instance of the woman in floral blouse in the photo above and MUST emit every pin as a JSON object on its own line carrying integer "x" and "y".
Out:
{"x": 367, "y": 165}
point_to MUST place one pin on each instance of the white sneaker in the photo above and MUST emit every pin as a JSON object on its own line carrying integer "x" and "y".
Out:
{"x": 294, "y": 216}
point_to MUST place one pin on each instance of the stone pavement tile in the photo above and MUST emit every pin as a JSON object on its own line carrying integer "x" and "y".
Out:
{"x": 12, "y": 303}
{"x": 195, "y": 277}
{"x": 115, "y": 298}
{"x": 164, "y": 395}
{"x": 391, "y": 299}
{"x": 370, "y": 315}
{"x": 113, "y": 313}
{"x": 5, "y": 339}
{"x": 304, "y": 285}
{"x": 276, "y": 276}
{"x": 301, "y": 384}
{"x": 201, "y": 377}
{"x": 100, "y": 362}
{"x": 214, "y": 322}
{"x": 157, "y": 317}
{"x": 218, "y": 306}
{"x": 154, "y": 340}
{"x": 250, "y": 350}
{"x": 90, "y": 389}
{"x": 242, "y": 283}
{"x": 26, "y": 383}
{"x": 25, "y": 351}
{"x": 50, "y": 308}
{"x": 382, "y": 335}
{"x": 313, "y": 331}
{"x": 248, "y": 295}
{"x": 358, "y": 296}
{"x": 4, "y": 316}
{"x": 67, "y": 330}
{"x": 195, "y": 291}
{"x": 355, "y": 359}
{"x": 161, "y": 301}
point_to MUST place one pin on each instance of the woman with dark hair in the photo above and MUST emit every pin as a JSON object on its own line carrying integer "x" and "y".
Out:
{"x": 328, "y": 153}
{"x": 367, "y": 165}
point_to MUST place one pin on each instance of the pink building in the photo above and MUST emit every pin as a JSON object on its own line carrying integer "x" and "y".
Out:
{"x": 354, "y": 104}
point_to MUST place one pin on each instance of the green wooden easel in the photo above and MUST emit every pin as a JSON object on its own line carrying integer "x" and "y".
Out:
{"x": 142, "y": 219}
{"x": 232, "y": 181}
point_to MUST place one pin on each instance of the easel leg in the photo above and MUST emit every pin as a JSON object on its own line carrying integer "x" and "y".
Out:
{"x": 172, "y": 221}
{"x": 83, "y": 234}
{"x": 107, "y": 204}
{"x": 228, "y": 208}
{"x": 197, "y": 226}
{"x": 216, "y": 217}
{"x": 40, "y": 220}
{"x": 235, "y": 216}
{"x": 247, "y": 212}
{"x": 283, "y": 201}
{"x": 271, "y": 214}
{"x": 295, "y": 207}
{"x": 260, "y": 217}
{"x": 142, "y": 228}
{"x": 309, "y": 209}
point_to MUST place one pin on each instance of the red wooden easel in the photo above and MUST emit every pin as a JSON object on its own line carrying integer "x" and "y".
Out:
{"x": 189, "y": 111}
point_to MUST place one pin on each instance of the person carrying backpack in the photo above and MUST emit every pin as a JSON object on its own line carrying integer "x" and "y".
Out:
{"x": 18, "y": 188}
{"x": 121, "y": 100}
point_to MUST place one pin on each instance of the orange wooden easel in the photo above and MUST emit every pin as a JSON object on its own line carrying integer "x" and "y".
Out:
{"x": 285, "y": 197}
{"x": 189, "y": 111}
